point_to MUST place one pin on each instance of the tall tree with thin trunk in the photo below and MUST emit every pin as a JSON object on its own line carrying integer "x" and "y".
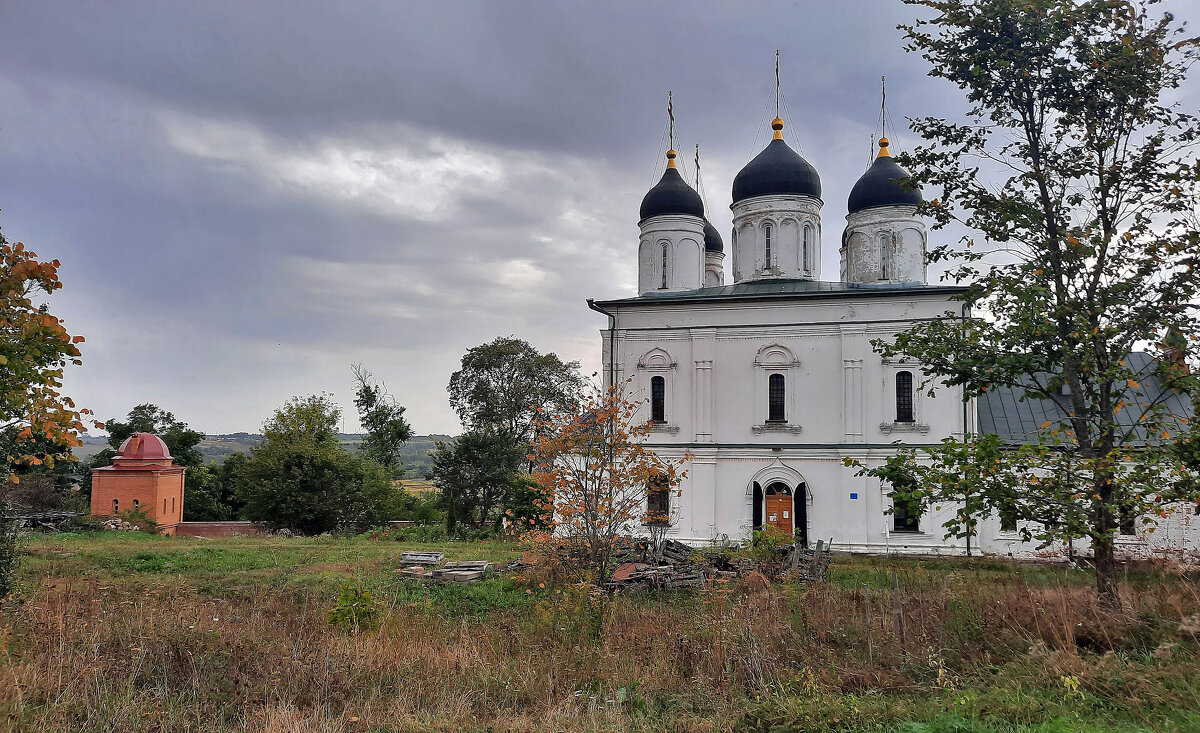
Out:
{"x": 1078, "y": 177}
{"x": 383, "y": 420}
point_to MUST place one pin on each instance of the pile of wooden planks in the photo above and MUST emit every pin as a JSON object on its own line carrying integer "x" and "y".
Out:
{"x": 639, "y": 550}
{"x": 423, "y": 566}
{"x": 657, "y": 577}
{"x": 806, "y": 565}
{"x": 421, "y": 559}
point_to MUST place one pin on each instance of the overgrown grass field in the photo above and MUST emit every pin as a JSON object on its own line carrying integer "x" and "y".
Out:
{"x": 131, "y": 632}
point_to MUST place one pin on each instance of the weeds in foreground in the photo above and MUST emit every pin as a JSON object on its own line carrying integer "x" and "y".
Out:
{"x": 175, "y": 645}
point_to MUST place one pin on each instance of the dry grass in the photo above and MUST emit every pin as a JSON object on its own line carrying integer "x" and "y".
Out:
{"x": 176, "y": 635}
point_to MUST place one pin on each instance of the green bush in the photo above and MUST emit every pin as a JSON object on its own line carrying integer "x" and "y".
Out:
{"x": 355, "y": 609}
{"x": 301, "y": 479}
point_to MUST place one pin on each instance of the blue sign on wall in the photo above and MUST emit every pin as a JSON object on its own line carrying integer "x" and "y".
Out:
{"x": 853, "y": 494}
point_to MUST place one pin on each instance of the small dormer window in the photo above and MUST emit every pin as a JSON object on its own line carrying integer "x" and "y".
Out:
{"x": 767, "y": 240}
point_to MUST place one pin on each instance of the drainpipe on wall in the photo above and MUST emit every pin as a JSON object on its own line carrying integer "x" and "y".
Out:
{"x": 966, "y": 313}
{"x": 612, "y": 341}
{"x": 612, "y": 370}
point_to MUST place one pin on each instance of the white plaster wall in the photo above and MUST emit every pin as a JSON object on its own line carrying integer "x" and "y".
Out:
{"x": 787, "y": 215}
{"x": 861, "y": 254}
{"x": 684, "y": 238}
{"x": 841, "y": 402}
{"x": 716, "y": 359}
{"x": 714, "y": 269}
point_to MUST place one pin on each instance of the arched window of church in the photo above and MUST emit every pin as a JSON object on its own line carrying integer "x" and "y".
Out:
{"x": 808, "y": 247}
{"x": 904, "y": 397}
{"x": 767, "y": 240}
{"x": 775, "y": 396}
{"x": 164, "y": 506}
{"x": 658, "y": 399}
{"x": 136, "y": 504}
{"x": 885, "y": 258}
{"x": 116, "y": 506}
{"x": 663, "y": 284}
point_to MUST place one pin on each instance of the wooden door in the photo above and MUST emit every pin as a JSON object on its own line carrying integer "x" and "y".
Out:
{"x": 778, "y": 510}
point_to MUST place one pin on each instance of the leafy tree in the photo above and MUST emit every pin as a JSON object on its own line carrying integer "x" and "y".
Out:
{"x": 974, "y": 475}
{"x": 300, "y": 478}
{"x": 181, "y": 440}
{"x": 504, "y": 384}
{"x": 1084, "y": 253}
{"x": 476, "y": 475}
{"x": 598, "y": 475}
{"x": 382, "y": 419}
{"x": 38, "y": 424}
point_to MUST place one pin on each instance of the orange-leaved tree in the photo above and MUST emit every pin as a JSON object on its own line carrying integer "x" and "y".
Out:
{"x": 38, "y": 424}
{"x": 597, "y": 475}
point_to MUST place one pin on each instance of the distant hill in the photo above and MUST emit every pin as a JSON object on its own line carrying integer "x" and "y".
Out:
{"x": 414, "y": 455}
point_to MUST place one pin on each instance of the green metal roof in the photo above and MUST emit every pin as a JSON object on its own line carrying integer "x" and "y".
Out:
{"x": 1017, "y": 419}
{"x": 784, "y": 289}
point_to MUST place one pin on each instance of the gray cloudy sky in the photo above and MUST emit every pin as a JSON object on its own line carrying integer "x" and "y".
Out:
{"x": 248, "y": 197}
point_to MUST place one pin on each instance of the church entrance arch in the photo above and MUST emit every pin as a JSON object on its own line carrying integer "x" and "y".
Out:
{"x": 779, "y": 499}
{"x": 778, "y": 509}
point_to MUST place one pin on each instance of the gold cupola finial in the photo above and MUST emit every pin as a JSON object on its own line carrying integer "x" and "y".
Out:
{"x": 670, "y": 158}
{"x": 883, "y": 148}
{"x": 777, "y": 126}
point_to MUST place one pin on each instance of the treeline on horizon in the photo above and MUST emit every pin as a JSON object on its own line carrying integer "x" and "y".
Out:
{"x": 413, "y": 454}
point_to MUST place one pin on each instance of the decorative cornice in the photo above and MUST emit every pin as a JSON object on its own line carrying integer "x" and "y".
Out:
{"x": 776, "y": 428}
{"x": 888, "y": 428}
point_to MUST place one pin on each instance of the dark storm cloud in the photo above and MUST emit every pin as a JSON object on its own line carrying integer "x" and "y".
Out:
{"x": 248, "y": 197}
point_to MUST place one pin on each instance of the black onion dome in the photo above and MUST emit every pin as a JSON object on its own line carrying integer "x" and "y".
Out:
{"x": 672, "y": 195}
{"x": 776, "y": 170}
{"x": 712, "y": 238}
{"x": 879, "y": 187}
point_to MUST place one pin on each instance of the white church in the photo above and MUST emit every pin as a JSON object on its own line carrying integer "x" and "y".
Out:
{"x": 766, "y": 376}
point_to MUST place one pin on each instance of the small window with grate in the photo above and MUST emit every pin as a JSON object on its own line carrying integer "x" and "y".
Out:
{"x": 663, "y": 283}
{"x": 776, "y": 392}
{"x": 767, "y": 239}
{"x": 658, "y": 399}
{"x": 658, "y": 500}
{"x": 904, "y": 397}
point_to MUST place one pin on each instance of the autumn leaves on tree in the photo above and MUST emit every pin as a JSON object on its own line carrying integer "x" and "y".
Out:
{"x": 598, "y": 478}
{"x": 38, "y": 423}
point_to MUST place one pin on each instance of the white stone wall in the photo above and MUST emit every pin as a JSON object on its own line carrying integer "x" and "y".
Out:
{"x": 840, "y": 401}
{"x": 878, "y": 233}
{"x": 682, "y": 237}
{"x": 714, "y": 269}
{"x": 789, "y": 216}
